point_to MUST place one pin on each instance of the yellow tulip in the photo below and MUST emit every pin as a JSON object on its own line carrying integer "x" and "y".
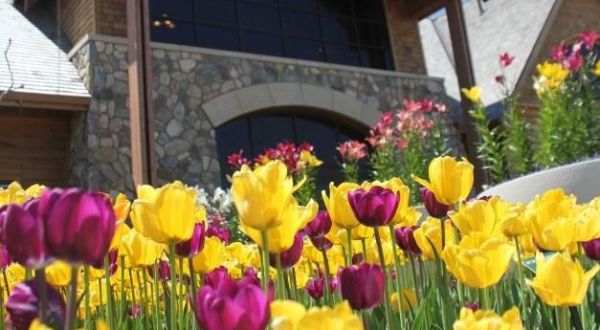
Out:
{"x": 262, "y": 194}
{"x": 294, "y": 218}
{"x": 431, "y": 231}
{"x": 482, "y": 319}
{"x": 554, "y": 74}
{"x": 139, "y": 250}
{"x": 58, "y": 273}
{"x": 597, "y": 68}
{"x": 478, "y": 261}
{"x": 34, "y": 191}
{"x": 211, "y": 256}
{"x": 338, "y": 206}
{"x": 587, "y": 224}
{"x": 291, "y": 315}
{"x": 513, "y": 222}
{"x": 403, "y": 212}
{"x": 408, "y": 301}
{"x": 13, "y": 194}
{"x": 38, "y": 325}
{"x": 167, "y": 214}
{"x": 473, "y": 94}
{"x": 449, "y": 180}
{"x": 359, "y": 232}
{"x": 549, "y": 219}
{"x": 480, "y": 216}
{"x": 572, "y": 286}
{"x": 15, "y": 274}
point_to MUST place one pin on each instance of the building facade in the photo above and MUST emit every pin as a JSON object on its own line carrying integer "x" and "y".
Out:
{"x": 232, "y": 74}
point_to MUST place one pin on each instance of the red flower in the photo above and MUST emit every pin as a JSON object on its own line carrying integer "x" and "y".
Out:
{"x": 236, "y": 159}
{"x": 500, "y": 79}
{"x": 559, "y": 52}
{"x": 588, "y": 38}
{"x": 506, "y": 60}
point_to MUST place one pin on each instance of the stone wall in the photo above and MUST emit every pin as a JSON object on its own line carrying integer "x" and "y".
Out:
{"x": 185, "y": 79}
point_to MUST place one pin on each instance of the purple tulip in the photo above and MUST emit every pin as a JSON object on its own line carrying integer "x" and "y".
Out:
{"x": 23, "y": 303}
{"x": 23, "y": 222}
{"x": 358, "y": 258}
{"x": 79, "y": 225}
{"x": 134, "y": 311}
{"x": 363, "y": 286}
{"x": 216, "y": 276}
{"x": 472, "y": 305}
{"x": 316, "y": 287}
{"x": 112, "y": 262}
{"x": 592, "y": 249}
{"x": 317, "y": 229}
{"x": 219, "y": 232}
{"x": 406, "y": 240}
{"x": 433, "y": 207}
{"x": 232, "y": 306}
{"x": 375, "y": 207}
{"x": 290, "y": 256}
{"x": 194, "y": 245}
{"x": 163, "y": 270}
{"x": 4, "y": 257}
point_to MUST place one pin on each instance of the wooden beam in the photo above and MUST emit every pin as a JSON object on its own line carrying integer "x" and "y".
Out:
{"x": 422, "y": 8}
{"x": 140, "y": 93}
{"x": 466, "y": 79}
{"x": 46, "y": 101}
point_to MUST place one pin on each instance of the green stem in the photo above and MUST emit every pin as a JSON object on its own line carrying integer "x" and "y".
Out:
{"x": 40, "y": 276}
{"x": 72, "y": 301}
{"x": 123, "y": 301}
{"x": 487, "y": 304}
{"x": 86, "y": 283}
{"x": 417, "y": 285}
{"x": 563, "y": 318}
{"x": 349, "y": 242}
{"x": 386, "y": 300}
{"x": 328, "y": 298}
{"x": 520, "y": 274}
{"x": 2, "y": 308}
{"x": 280, "y": 281}
{"x": 157, "y": 321}
{"x": 143, "y": 298}
{"x": 398, "y": 273}
{"x": 265, "y": 261}
{"x": 173, "y": 295}
{"x": 5, "y": 278}
{"x": 109, "y": 302}
{"x": 193, "y": 281}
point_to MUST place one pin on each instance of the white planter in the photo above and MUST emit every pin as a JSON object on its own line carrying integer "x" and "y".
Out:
{"x": 581, "y": 179}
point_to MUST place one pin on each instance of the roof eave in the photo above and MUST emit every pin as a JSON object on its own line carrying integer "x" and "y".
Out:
{"x": 46, "y": 101}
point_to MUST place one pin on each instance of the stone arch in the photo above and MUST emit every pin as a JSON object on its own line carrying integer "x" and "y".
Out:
{"x": 240, "y": 102}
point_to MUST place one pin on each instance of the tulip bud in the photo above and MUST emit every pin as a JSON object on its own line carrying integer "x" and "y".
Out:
{"x": 592, "y": 249}
{"x": 79, "y": 225}
{"x": 472, "y": 305}
{"x": 433, "y": 207}
{"x": 363, "y": 286}
{"x": 23, "y": 303}
{"x": 375, "y": 207}
{"x": 317, "y": 229}
{"x": 134, "y": 311}
{"x": 405, "y": 239}
{"x": 23, "y": 221}
{"x": 290, "y": 256}
{"x": 194, "y": 245}
{"x": 316, "y": 287}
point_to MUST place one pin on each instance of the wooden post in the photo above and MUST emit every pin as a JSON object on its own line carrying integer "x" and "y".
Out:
{"x": 466, "y": 79}
{"x": 140, "y": 93}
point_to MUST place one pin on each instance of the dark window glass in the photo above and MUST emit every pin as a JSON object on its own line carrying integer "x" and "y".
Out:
{"x": 304, "y": 49}
{"x": 262, "y": 43}
{"x": 370, "y": 34}
{"x": 369, "y": 9}
{"x": 218, "y": 37}
{"x": 216, "y": 11}
{"x": 336, "y": 7}
{"x": 179, "y": 9}
{"x": 343, "y": 54}
{"x": 338, "y": 30}
{"x": 267, "y": 131}
{"x": 300, "y": 24}
{"x": 258, "y": 16}
{"x": 373, "y": 57}
{"x": 308, "y": 5}
{"x": 182, "y": 33}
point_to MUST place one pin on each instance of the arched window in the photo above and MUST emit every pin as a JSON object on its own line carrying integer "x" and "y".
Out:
{"x": 256, "y": 132}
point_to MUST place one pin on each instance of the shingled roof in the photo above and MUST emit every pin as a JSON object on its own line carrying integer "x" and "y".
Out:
{"x": 511, "y": 26}
{"x": 36, "y": 67}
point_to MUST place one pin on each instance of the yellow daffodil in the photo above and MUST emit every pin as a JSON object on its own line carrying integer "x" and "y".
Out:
{"x": 570, "y": 290}
{"x": 513, "y": 222}
{"x": 431, "y": 231}
{"x": 262, "y": 195}
{"x": 483, "y": 319}
{"x": 473, "y": 94}
{"x": 338, "y": 206}
{"x": 478, "y": 261}
{"x": 167, "y": 214}
{"x": 403, "y": 212}
{"x": 549, "y": 219}
{"x": 480, "y": 216}
{"x": 408, "y": 301}
{"x": 139, "y": 250}
{"x": 211, "y": 256}
{"x": 58, "y": 273}
{"x": 294, "y": 218}
{"x": 291, "y": 315}
{"x": 552, "y": 75}
{"x": 449, "y": 180}
{"x": 308, "y": 159}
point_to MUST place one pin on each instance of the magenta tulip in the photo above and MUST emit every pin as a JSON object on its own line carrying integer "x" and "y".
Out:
{"x": 363, "y": 286}
{"x": 433, "y": 207}
{"x": 375, "y": 207}
{"x": 194, "y": 245}
{"x": 592, "y": 249}
{"x": 163, "y": 270}
{"x": 79, "y": 225}
{"x": 20, "y": 223}
{"x": 290, "y": 256}
{"x": 405, "y": 239}
{"x": 317, "y": 229}
{"x": 316, "y": 287}
{"x": 232, "y": 306}
{"x": 23, "y": 303}
{"x": 4, "y": 257}
{"x": 216, "y": 276}
{"x": 222, "y": 233}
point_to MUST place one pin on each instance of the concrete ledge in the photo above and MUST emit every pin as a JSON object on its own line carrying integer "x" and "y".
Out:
{"x": 580, "y": 179}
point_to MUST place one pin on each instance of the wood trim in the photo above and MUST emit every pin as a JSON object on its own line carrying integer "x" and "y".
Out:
{"x": 46, "y": 101}
{"x": 422, "y": 8}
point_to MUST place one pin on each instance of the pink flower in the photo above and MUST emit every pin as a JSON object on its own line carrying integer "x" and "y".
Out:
{"x": 352, "y": 150}
{"x": 427, "y": 105}
{"x": 588, "y": 38}
{"x": 559, "y": 52}
{"x": 506, "y": 60}
{"x": 236, "y": 159}
{"x": 574, "y": 62}
{"x": 411, "y": 105}
{"x": 500, "y": 79}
